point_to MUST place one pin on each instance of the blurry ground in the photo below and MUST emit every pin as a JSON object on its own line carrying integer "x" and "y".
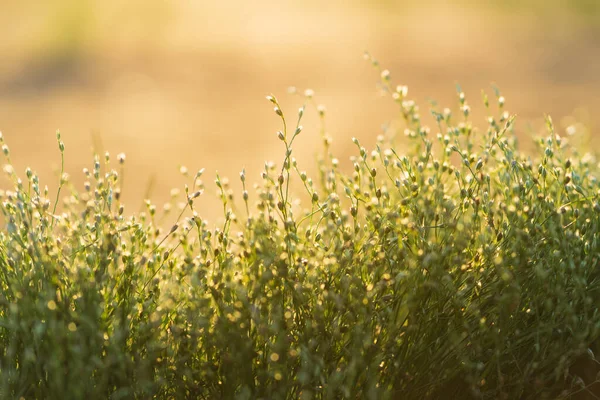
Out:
{"x": 173, "y": 82}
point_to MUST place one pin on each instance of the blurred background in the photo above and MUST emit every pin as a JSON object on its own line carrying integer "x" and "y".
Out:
{"x": 183, "y": 82}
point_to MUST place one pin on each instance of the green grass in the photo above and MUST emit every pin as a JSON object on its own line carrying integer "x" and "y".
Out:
{"x": 458, "y": 266}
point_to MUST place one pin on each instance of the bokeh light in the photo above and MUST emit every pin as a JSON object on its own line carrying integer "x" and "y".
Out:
{"x": 183, "y": 82}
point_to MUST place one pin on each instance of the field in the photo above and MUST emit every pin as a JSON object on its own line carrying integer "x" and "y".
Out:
{"x": 385, "y": 229}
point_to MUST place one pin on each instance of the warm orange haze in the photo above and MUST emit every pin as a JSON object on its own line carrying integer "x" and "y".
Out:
{"x": 183, "y": 82}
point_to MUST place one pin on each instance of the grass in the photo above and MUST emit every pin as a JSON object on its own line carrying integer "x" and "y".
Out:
{"x": 460, "y": 267}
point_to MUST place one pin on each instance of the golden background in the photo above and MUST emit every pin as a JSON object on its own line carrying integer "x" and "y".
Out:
{"x": 183, "y": 82}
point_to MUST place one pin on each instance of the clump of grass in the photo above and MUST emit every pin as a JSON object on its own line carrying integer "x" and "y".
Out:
{"x": 461, "y": 267}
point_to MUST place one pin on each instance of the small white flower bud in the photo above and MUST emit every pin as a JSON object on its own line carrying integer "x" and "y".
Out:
{"x": 402, "y": 90}
{"x": 466, "y": 109}
{"x": 321, "y": 109}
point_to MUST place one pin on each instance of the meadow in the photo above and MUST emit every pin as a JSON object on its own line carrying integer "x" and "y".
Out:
{"x": 445, "y": 263}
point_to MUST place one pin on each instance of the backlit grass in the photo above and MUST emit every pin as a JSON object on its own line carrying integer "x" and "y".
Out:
{"x": 455, "y": 267}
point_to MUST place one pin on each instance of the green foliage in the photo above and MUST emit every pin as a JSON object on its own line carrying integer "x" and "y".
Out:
{"x": 462, "y": 268}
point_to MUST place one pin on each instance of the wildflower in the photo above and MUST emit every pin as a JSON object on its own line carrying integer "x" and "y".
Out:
{"x": 402, "y": 90}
